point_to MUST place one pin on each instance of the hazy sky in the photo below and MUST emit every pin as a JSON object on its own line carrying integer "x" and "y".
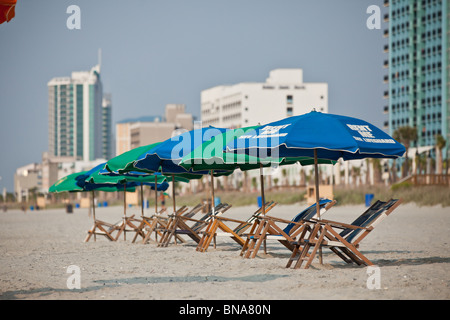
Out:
{"x": 159, "y": 52}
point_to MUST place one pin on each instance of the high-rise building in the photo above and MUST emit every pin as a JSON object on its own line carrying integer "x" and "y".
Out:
{"x": 283, "y": 94}
{"x": 75, "y": 115}
{"x": 418, "y": 69}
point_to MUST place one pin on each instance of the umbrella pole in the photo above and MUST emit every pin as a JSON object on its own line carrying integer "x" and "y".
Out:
{"x": 93, "y": 212}
{"x": 316, "y": 178}
{"x": 212, "y": 192}
{"x": 263, "y": 199}
{"x": 124, "y": 210}
{"x": 142, "y": 201}
{"x": 125, "y": 200}
{"x": 173, "y": 193}
{"x": 156, "y": 195}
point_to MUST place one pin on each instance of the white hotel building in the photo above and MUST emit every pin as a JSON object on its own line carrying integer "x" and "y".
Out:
{"x": 245, "y": 104}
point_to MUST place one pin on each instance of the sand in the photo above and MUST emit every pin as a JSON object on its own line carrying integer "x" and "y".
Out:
{"x": 410, "y": 249}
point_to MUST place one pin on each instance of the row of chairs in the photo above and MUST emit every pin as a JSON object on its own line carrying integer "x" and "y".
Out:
{"x": 304, "y": 235}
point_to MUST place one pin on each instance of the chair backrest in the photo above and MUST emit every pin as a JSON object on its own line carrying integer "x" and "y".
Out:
{"x": 193, "y": 211}
{"x": 253, "y": 217}
{"x": 373, "y": 215}
{"x": 180, "y": 211}
{"x": 201, "y": 222}
{"x": 306, "y": 214}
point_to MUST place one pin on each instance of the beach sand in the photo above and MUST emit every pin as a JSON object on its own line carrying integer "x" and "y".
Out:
{"x": 410, "y": 247}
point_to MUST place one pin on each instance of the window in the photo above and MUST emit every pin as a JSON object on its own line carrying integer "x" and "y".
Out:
{"x": 289, "y": 111}
{"x": 289, "y": 99}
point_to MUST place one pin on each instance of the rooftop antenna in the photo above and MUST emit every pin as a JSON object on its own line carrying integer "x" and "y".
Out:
{"x": 99, "y": 59}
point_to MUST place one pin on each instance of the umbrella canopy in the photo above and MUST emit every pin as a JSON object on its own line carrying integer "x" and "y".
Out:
{"x": 74, "y": 183}
{"x": 332, "y": 136}
{"x": 166, "y": 156}
{"x": 92, "y": 179}
{"x": 7, "y": 10}
{"x": 124, "y": 165}
{"x": 124, "y": 162}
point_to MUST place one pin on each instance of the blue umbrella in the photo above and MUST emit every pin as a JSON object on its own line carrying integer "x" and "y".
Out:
{"x": 331, "y": 136}
{"x": 318, "y": 135}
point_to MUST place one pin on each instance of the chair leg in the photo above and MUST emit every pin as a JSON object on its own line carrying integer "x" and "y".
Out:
{"x": 208, "y": 235}
{"x": 151, "y": 229}
{"x": 293, "y": 255}
{"x": 310, "y": 242}
{"x": 251, "y": 253}
{"x": 245, "y": 246}
{"x": 139, "y": 231}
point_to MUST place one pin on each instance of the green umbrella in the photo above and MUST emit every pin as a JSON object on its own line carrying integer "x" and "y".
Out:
{"x": 99, "y": 175}
{"x": 67, "y": 184}
{"x": 124, "y": 162}
{"x": 75, "y": 183}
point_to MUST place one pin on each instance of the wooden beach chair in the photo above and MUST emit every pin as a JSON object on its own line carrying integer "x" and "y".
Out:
{"x": 179, "y": 225}
{"x": 147, "y": 222}
{"x": 104, "y": 229}
{"x": 107, "y": 229}
{"x": 160, "y": 225}
{"x": 344, "y": 244}
{"x": 218, "y": 222}
{"x": 127, "y": 225}
{"x": 266, "y": 227}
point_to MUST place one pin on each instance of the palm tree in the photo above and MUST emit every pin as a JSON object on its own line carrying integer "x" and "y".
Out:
{"x": 440, "y": 144}
{"x": 405, "y": 135}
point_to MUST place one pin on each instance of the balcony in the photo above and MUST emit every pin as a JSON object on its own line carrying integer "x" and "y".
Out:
{"x": 386, "y": 95}
{"x": 386, "y": 17}
{"x": 386, "y": 48}
{"x": 386, "y": 33}
{"x": 386, "y": 79}
{"x": 385, "y": 64}
{"x": 386, "y": 109}
{"x": 386, "y": 3}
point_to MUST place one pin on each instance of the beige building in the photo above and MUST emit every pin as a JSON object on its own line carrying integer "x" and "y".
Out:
{"x": 133, "y": 133}
{"x": 38, "y": 177}
{"x": 144, "y": 133}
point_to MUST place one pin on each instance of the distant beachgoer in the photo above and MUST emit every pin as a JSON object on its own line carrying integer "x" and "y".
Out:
{"x": 162, "y": 198}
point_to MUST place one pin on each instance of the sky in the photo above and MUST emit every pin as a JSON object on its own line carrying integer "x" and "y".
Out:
{"x": 160, "y": 52}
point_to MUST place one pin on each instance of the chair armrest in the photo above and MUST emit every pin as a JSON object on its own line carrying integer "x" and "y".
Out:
{"x": 266, "y": 217}
{"x": 229, "y": 219}
{"x": 192, "y": 219}
{"x": 338, "y": 224}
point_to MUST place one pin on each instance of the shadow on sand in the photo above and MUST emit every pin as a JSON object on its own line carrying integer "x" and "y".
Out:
{"x": 116, "y": 283}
